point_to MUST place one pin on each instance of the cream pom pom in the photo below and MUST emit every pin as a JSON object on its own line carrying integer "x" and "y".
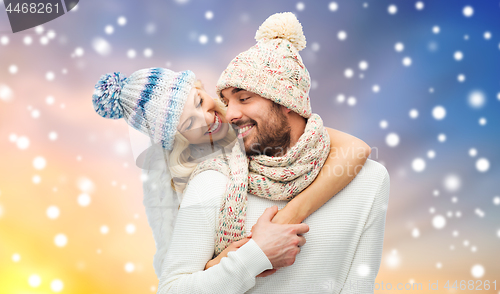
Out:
{"x": 283, "y": 26}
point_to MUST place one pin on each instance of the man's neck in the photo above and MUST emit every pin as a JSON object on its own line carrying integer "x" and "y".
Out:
{"x": 298, "y": 126}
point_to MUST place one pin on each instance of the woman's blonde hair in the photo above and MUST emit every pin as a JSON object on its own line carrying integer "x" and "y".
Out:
{"x": 180, "y": 161}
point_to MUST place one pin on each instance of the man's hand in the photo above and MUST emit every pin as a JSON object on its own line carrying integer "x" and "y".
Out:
{"x": 281, "y": 243}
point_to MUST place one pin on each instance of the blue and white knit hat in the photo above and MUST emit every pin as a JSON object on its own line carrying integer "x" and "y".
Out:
{"x": 150, "y": 100}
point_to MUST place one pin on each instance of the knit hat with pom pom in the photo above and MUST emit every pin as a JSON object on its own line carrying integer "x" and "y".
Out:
{"x": 150, "y": 100}
{"x": 273, "y": 67}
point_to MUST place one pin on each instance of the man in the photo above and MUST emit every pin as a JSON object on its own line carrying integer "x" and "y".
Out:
{"x": 266, "y": 93}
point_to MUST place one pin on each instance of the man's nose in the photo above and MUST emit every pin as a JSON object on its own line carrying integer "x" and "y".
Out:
{"x": 233, "y": 113}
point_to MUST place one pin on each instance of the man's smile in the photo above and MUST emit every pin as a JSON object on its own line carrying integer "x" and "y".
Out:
{"x": 243, "y": 131}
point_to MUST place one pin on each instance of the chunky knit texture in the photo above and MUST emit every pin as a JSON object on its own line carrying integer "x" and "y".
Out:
{"x": 151, "y": 100}
{"x": 275, "y": 178}
{"x": 273, "y": 67}
{"x": 342, "y": 253}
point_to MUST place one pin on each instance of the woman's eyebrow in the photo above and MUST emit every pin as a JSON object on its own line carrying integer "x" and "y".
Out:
{"x": 194, "y": 100}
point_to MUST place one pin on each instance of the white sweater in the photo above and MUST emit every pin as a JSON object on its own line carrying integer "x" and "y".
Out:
{"x": 341, "y": 255}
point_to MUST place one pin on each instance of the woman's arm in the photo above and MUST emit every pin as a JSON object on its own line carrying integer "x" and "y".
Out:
{"x": 193, "y": 245}
{"x": 347, "y": 156}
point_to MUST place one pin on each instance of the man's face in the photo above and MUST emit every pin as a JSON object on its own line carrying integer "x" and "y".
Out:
{"x": 261, "y": 123}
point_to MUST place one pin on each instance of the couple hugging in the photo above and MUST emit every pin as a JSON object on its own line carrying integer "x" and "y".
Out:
{"x": 237, "y": 184}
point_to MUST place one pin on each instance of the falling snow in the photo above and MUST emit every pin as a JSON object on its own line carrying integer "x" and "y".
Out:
{"x": 392, "y": 139}
{"x": 392, "y": 9}
{"x": 413, "y": 113}
{"x": 458, "y": 55}
{"x": 60, "y": 240}
{"x": 399, "y": 47}
{"x": 84, "y": 200}
{"x": 477, "y": 271}
{"x": 468, "y": 11}
{"x": 482, "y": 165}
{"x": 57, "y": 285}
{"x": 342, "y": 35}
{"x": 52, "y": 212}
{"x": 407, "y": 61}
{"x": 439, "y": 112}
{"x": 333, "y": 6}
{"x": 109, "y": 29}
{"x": 101, "y": 46}
{"x": 431, "y": 154}
{"x": 348, "y": 73}
{"x": 439, "y": 222}
{"x": 129, "y": 267}
{"x": 34, "y": 280}
{"x": 418, "y": 165}
{"x": 130, "y": 228}
{"x": 6, "y": 93}
{"x": 383, "y": 125}
{"x": 452, "y": 183}
{"x": 476, "y": 99}
{"x": 393, "y": 260}
{"x": 121, "y": 21}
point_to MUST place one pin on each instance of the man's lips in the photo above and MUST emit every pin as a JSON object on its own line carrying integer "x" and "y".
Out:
{"x": 245, "y": 130}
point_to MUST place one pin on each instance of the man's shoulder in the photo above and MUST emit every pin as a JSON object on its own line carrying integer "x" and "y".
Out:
{"x": 205, "y": 188}
{"x": 376, "y": 175}
{"x": 374, "y": 170}
{"x": 371, "y": 179}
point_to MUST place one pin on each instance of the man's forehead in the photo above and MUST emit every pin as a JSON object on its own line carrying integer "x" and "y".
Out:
{"x": 231, "y": 90}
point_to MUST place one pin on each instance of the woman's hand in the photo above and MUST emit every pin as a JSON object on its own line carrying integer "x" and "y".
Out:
{"x": 289, "y": 215}
{"x": 233, "y": 247}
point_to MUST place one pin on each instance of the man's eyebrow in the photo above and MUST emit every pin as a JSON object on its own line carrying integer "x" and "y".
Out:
{"x": 234, "y": 91}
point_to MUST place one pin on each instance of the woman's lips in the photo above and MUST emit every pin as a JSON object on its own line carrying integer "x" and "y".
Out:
{"x": 216, "y": 126}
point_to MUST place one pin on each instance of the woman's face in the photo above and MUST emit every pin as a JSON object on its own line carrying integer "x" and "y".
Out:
{"x": 200, "y": 122}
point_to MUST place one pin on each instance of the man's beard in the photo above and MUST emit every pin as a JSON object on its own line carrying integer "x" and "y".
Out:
{"x": 271, "y": 138}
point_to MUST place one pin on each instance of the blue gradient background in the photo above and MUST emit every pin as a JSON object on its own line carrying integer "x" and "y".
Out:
{"x": 104, "y": 155}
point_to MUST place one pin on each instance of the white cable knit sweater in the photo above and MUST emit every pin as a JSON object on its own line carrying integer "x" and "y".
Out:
{"x": 342, "y": 253}
{"x": 161, "y": 203}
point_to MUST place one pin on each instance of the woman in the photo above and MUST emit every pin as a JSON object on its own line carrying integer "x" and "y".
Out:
{"x": 180, "y": 117}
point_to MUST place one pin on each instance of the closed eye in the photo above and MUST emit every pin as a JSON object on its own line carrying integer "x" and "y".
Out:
{"x": 190, "y": 123}
{"x": 201, "y": 101}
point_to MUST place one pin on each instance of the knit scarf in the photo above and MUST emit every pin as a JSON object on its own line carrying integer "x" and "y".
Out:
{"x": 275, "y": 178}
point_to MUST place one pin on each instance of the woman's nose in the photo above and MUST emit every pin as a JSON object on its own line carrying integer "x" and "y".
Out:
{"x": 209, "y": 110}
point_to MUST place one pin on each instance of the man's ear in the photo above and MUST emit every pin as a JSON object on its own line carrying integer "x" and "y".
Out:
{"x": 285, "y": 110}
